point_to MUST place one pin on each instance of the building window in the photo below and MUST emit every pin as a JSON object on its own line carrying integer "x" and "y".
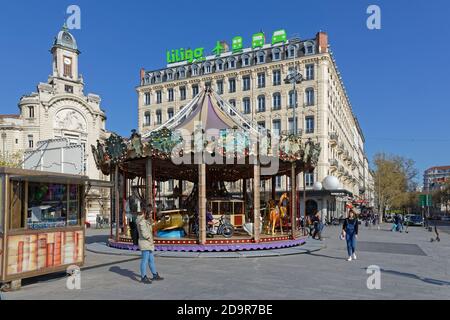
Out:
{"x": 147, "y": 98}
{"x": 276, "y": 77}
{"x": 231, "y": 63}
{"x": 31, "y": 112}
{"x": 182, "y": 93}
{"x": 291, "y": 125}
{"x": 181, "y": 73}
{"x": 309, "y": 179}
{"x": 276, "y": 54}
{"x": 68, "y": 89}
{"x": 30, "y": 141}
{"x": 261, "y": 57}
{"x": 170, "y": 94}
{"x": 208, "y": 68}
{"x": 309, "y": 48}
{"x": 169, "y": 75}
{"x": 291, "y": 52}
{"x": 219, "y": 65}
{"x": 219, "y": 86}
{"x": 67, "y": 67}
{"x": 310, "y": 72}
{"x": 147, "y": 118}
{"x": 158, "y": 96}
{"x": 309, "y": 124}
{"x": 276, "y": 127}
{"x": 194, "y": 90}
{"x": 245, "y": 61}
{"x": 247, "y": 107}
{"x": 232, "y": 85}
{"x": 158, "y": 117}
{"x": 17, "y": 141}
{"x": 261, "y": 80}
{"x": 246, "y": 83}
{"x": 292, "y": 98}
{"x": 276, "y": 99}
{"x": 194, "y": 70}
{"x": 309, "y": 96}
{"x": 261, "y": 103}
{"x": 170, "y": 113}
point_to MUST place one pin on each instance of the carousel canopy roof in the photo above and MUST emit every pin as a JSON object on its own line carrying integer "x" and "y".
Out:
{"x": 208, "y": 125}
{"x": 209, "y": 110}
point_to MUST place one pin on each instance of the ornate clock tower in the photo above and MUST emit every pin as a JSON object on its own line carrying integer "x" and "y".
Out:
{"x": 65, "y": 56}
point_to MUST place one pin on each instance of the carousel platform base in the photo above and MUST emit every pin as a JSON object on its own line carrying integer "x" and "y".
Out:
{"x": 307, "y": 246}
{"x": 214, "y": 245}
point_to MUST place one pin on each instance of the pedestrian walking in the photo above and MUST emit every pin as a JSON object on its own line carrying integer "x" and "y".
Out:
{"x": 147, "y": 246}
{"x": 350, "y": 232}
{"x": 318, "y": 226}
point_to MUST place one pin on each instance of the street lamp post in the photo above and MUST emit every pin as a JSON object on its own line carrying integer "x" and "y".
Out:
{"x": 295, "y": 77}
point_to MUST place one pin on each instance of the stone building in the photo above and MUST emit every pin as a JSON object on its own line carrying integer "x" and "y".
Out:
{"x": 253, "y": 80}
{"x": 60, "y": 109}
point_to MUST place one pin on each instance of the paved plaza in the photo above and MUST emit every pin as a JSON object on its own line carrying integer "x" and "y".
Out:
{"x": 412, "y": 267}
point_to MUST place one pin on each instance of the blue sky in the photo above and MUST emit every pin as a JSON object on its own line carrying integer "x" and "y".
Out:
{"x": 396, "y": 77}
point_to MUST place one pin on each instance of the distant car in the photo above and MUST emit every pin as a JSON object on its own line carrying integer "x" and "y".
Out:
{"x": 413, "y": 220}
{"x": 445, "y": 218}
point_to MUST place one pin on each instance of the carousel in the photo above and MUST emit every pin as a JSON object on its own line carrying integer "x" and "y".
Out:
{"x": 206, "y": 147}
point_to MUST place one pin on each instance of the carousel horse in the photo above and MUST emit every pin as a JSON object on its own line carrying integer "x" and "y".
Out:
{"x": 277, "y": 213}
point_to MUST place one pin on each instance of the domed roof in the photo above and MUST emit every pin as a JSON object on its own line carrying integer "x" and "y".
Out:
{"x": 66, "y": 39}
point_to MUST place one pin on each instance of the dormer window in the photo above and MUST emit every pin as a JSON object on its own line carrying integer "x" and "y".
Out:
{"x": 194, "y": 70}
{"x": 158, "y": 77}
{"x": 245, "y": 60}
{"x": 291, "y": 51}
{"x": 309, "y": 48}
{"x": 276, "y": 54}
{"x": 261, "y": 57}
{"x": 219, "y": 65}
{"x": 170, "y": 75}
{"x": 207, "y": 68}
{"x": 181, "y": 73}
{"x": 231, "y": 63}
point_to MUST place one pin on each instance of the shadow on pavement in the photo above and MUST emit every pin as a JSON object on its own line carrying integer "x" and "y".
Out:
{"x": 325, "y": 256}
{"x": 97, "y": 238}
{"x": 126, "y": 273}
{"x": 416, "y": 277}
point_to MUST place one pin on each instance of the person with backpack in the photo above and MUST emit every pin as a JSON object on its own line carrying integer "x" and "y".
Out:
{"x": 350, "y": 233}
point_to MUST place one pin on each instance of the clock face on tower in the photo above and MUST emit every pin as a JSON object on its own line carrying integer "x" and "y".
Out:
{"x": 67, "y": 61}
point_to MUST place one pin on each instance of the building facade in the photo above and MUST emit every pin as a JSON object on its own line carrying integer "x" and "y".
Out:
{"x": 253, "y": 80}
{"x": 60, "y": 109}
{"x": 435, "y": 177}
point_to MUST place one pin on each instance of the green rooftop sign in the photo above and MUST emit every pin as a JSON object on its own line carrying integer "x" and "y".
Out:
{"x": 188, "y": 55}
{"x": 237, "y": 45}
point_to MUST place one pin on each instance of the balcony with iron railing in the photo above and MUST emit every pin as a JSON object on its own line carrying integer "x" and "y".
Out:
{"x": 333, "y": 163}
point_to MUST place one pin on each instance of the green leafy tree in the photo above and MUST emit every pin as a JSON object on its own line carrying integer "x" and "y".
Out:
{"x": 13, "y": 160}
{"x": 394, "y": 182}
